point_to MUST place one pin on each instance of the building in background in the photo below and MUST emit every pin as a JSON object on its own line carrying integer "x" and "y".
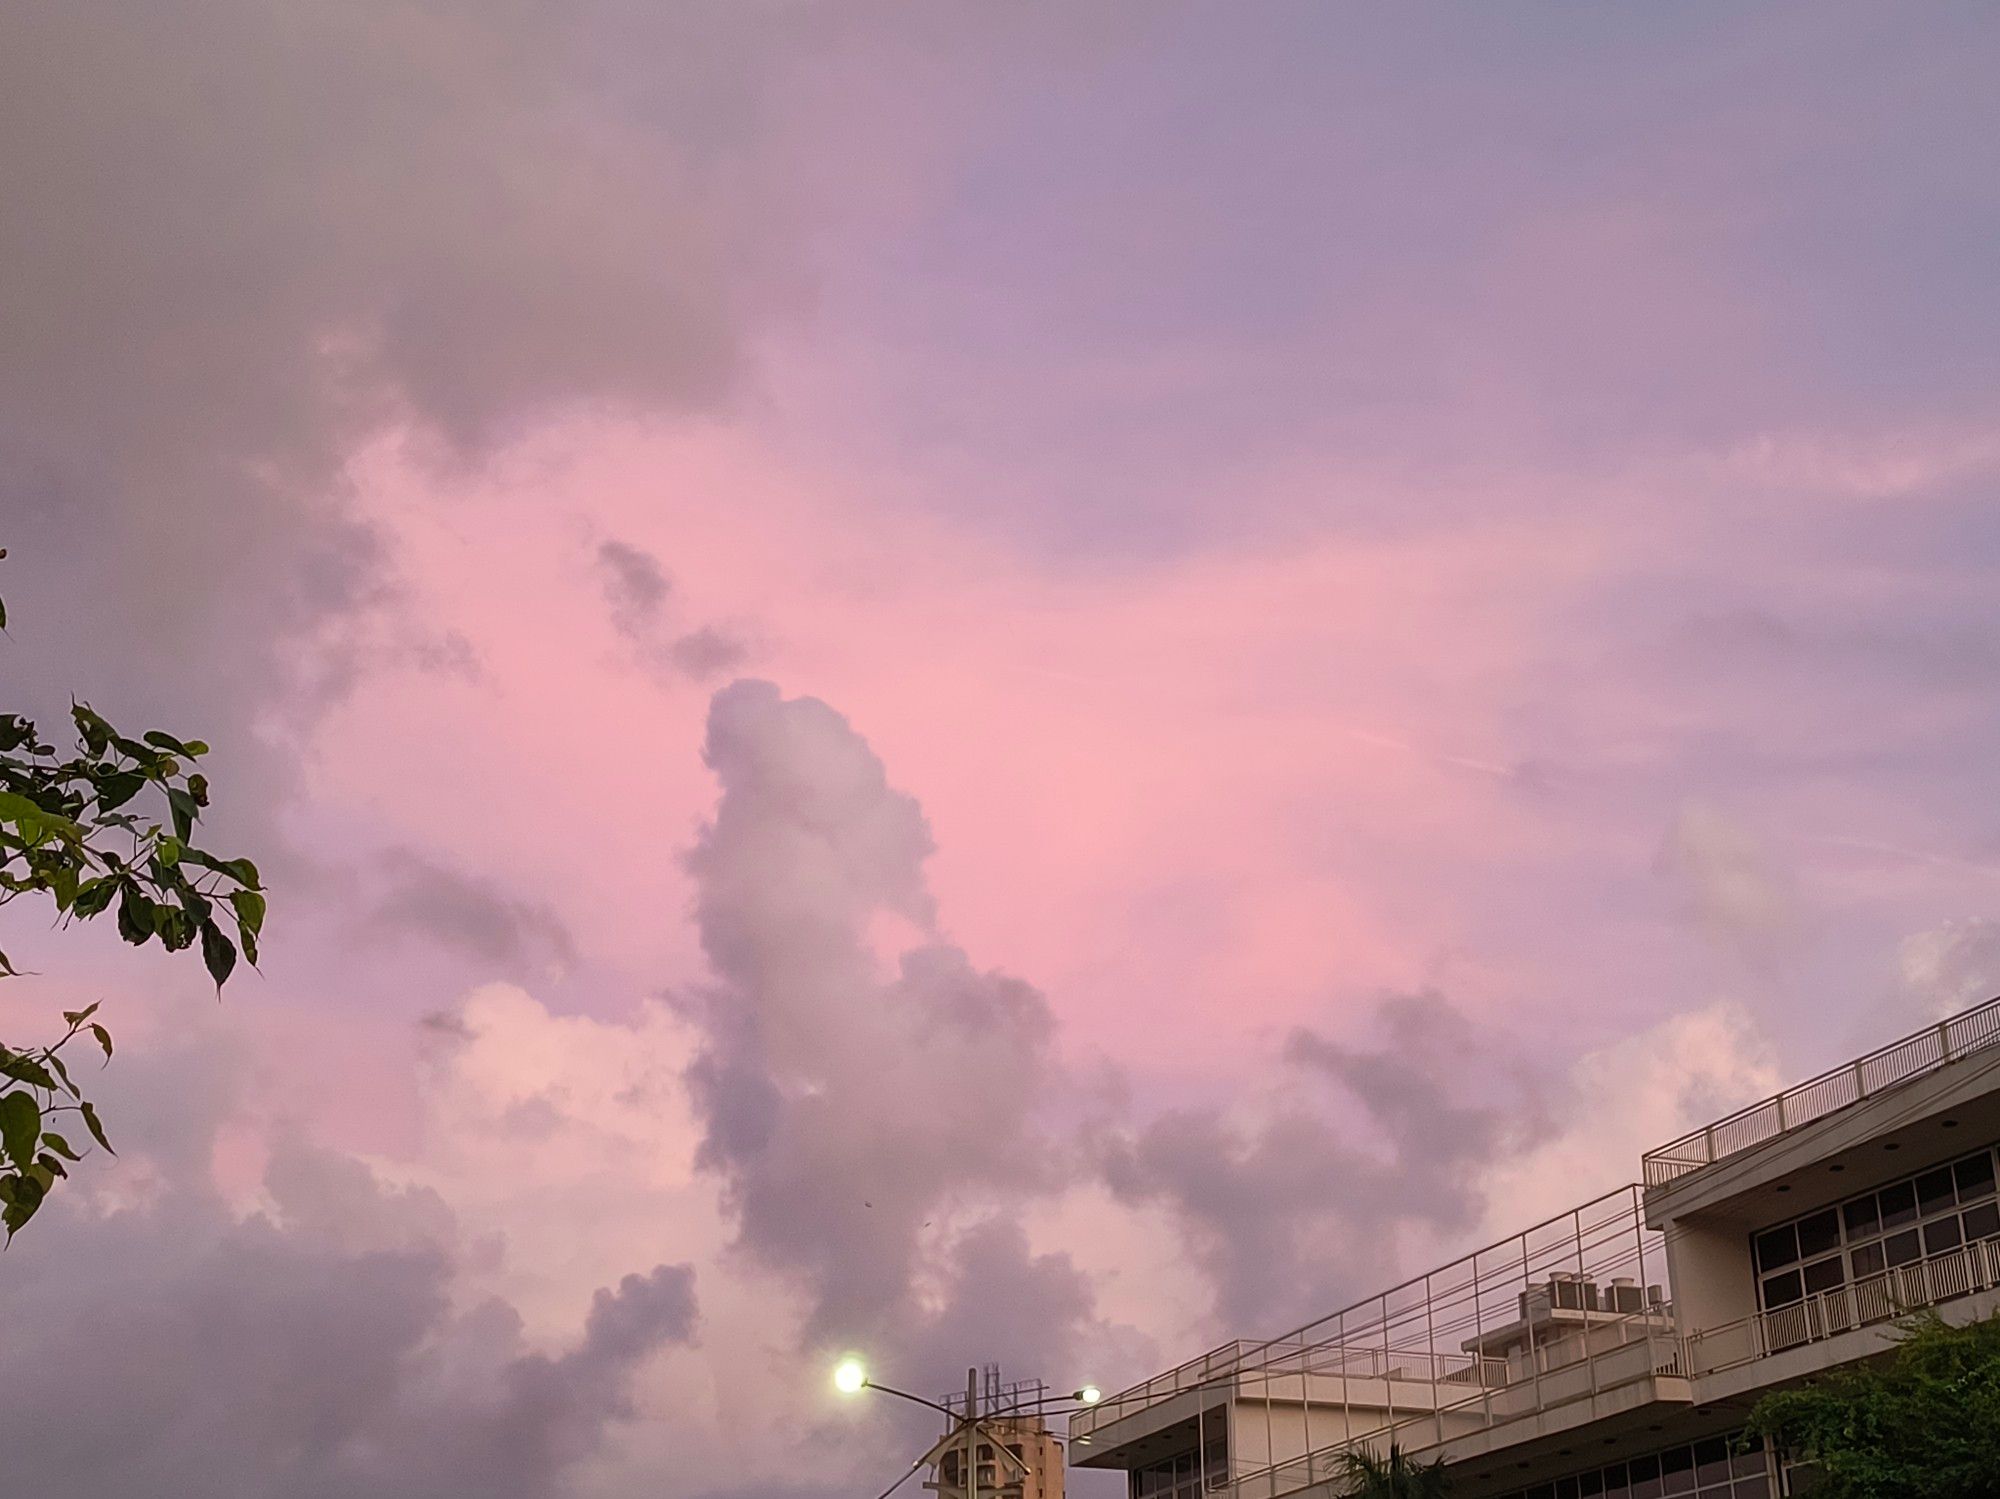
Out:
{"x": 1008, "y": 1452}
{"x": 1613, "y": 1352}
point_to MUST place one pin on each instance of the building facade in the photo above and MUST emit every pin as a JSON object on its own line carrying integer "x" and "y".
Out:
{"x": 1613, "y": 1352}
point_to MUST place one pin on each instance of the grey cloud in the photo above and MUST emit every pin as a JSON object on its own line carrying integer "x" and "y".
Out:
{"x": 242, "y": 240}
{"x": 471, "y": 913}
{"x": 637, "y": 591}
{"x": 1292, "y": 1214}
{"x": 328, "y": 1360}
{"x": 635, "y": 586}
{"x": 845, "y": 1109}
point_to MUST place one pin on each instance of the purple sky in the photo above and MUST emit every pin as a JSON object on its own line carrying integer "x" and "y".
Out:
{"x": 1036, "y": 683}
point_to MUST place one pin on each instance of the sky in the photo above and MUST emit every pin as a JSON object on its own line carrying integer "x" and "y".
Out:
{"x": 1033, "y": 684}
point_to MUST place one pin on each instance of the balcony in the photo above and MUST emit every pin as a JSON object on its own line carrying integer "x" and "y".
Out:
{"x": 1899, "y": 1062}
{"x": 1552, "y": 1318}
{"x": 1870, "y": 1301}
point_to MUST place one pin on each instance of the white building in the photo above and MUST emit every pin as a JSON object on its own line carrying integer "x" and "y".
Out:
{"x": 1614, "y": 1351}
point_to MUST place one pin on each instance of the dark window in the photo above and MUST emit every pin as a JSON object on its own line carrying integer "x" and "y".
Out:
{"x": 1982, "y": 1221}
{"x": 1778, "y": 1247}
{"x": 1541, "y": 1491}
{"x": 1866, "y": 1260}
{"x": 1756, "y": 1487}
{"x": 1862, "y": 1219}
{"x": 1615, "y": 1484}
{"x": 1566, "y": 1488}
{"x": 1901, "y": 1248}
{"x": 1935, "y": 1192}
{"x": 1591, "y": 1484}
{"x": 1823, "y": 1275}
{"x": 1899, "y": 1205}
{"x": 1645, "y": 1477}
{"x": 1677, "y": 1471}
{"x": 1711, "y": 1459}
{"x": 1783, "y": 1290}
{"x": 1974, "y": 1177}
{"x": 1819, "y": 1233}
{"x": 1941, "y": 1235}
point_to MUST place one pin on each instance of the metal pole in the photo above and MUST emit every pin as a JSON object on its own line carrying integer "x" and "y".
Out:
{"x": 972, "y": 1433}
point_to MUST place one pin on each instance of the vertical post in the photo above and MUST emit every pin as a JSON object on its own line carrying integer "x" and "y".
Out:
{"x": 1860, "y": 1083}
{"x": 1388, "y": 1368}
{"x": 972, "y": 1433}
{"x": 1431, "y": 1354}
{"x": 1708, "y": 1142}
{"x": 1306, "y": 1404}
{"x": 1528, "y": 1317}
{"x": 1944, "y": 1040}
{"x": 1479, "y": 1347}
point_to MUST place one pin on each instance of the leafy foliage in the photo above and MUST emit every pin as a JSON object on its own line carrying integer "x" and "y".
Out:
{"x": 72, "y": 829}
{"x": 1923, "y": 1424}
{"x": 1397, "y": 1476}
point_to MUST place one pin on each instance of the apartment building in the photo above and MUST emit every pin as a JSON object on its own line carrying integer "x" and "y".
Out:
{"x": 1614, "y": 1351}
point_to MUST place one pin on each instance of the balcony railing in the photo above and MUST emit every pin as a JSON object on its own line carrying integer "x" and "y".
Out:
{"x": 1607, "y": 1357}
{"x": 1866, "y": 1302}
{"x": 1913, "y": 1056}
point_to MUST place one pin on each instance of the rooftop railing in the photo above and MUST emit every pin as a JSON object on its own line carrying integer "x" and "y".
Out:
{"x": 1422, "y": 1344}
{"x": 1848, "y": 1084}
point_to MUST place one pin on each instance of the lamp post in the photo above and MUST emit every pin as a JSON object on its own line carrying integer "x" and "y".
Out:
{"x": 851, "y": 1377}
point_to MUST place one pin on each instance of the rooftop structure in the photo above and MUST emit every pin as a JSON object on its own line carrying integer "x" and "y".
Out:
{"x": 1614, "y": 1349}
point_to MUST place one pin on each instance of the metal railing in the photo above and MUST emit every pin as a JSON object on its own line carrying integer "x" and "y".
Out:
{"x": 1850, "y": 1083}
{"x": 1606, "y": 1357}
{"x": 1873, "y": 1299}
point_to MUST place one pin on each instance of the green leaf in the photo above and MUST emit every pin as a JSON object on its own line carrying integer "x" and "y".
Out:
{"x": 103, "y": 1039}
{"x": 92, "y": 1123}
{"x": 25, "y": 1069}
{"x": 136, "y": 916}
{"x": 249, "y": 905}
{"x": 115, "y": 790}
{"x": 218, "y": 952}
{"x": 92, "y": 896}
{"x": 50, "y": 1164}
{"x": 20, "y": 1126}
{"x": 184, "y": 812}
{"x": 94, "y": 731}
{"x": 77, "y": 1017}
{"x": 60, "y": 1146}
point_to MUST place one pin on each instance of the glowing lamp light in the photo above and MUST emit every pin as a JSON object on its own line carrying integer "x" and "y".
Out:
{"x": 850, "y": 1376}
{"x": 1090, "y": 1394}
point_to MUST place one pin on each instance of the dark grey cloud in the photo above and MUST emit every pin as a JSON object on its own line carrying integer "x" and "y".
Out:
{"x": 312, "y": 1350}
{"x": 243, "y": 240}
{"x": 473, "y": 914}
{"x": 1296, "y": 1212}
{"x": 638, "y": 591}
{"x": 847, "y": 1108}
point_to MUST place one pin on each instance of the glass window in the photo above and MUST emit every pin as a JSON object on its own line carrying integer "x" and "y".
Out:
{"x": 1899, "y": 1205}
{"x": 1935, "y": 1192}
{"x": 1862, "y": 1219}
{"x": 1866, "y": 1260}
{"x": 1755, "y": 1487}
{"x": 1823, "y": 1275}
{"x": 1783, "y": 1290}
{"x": 1541, "y": 1491}
{"x": 1982, "y": 1221}
{"x": 1941, "y": 1234}
{"x": 1778, "y": 1247}
{"x": 1974, "y": 1176}
{"x": 1590, "y": 1484}
{"x": 1645, "y": 1477}
{"x": 1901, "y": 1248}
{"x": 1615, "y": 1485}
{"x": 1711, "y": 1460}
{"x": 1821, "y": 1232}
{"x": 1566, "y": 1488}
{"x": 1677, "y": 1471}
